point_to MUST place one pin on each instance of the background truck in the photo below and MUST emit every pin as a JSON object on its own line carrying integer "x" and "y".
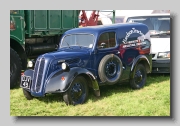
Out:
{"x": 34, "y": 32}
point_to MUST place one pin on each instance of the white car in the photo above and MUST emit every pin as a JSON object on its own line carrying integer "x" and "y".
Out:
{"x": 159, "y": 28}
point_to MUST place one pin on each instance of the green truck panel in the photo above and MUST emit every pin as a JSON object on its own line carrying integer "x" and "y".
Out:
{"x": 68, "y": 19}
{"x": 40, "y": 20}
{"x": 55, "y": 18}
{"x": 44, "y": 22}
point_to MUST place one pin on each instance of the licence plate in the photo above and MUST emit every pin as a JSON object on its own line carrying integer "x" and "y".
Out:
{"x": 25, "y": 82}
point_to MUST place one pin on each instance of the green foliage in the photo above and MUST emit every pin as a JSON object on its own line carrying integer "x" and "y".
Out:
{"x": 116, "y": 100}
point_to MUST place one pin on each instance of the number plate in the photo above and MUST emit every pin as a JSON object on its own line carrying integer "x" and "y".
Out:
{"x": 25, "y": 82}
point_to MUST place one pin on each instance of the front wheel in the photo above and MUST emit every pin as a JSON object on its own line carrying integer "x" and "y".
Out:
{"x": 27, "y": 94}
{"x": 77, "y": 93}
{"x": 140, "y": 76}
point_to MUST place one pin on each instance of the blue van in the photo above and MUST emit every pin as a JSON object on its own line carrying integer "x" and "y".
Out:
{"x": 90, "y": 57}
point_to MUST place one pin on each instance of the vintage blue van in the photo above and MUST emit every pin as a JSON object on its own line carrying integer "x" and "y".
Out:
{"x": 90, "y": 57}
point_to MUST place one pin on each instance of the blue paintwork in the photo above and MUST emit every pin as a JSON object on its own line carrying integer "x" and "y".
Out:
{"x": 55, "y": 84}
{"x": 88, "y": 59}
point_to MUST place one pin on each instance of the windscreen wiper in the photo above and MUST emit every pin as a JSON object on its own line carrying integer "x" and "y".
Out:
{"x": 67, "y": 44}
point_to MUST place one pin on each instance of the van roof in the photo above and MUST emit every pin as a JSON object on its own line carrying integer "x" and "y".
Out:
{"x": 99, "y": 28}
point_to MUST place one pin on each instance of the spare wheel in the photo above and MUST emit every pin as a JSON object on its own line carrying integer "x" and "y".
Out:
{"x": 110, "y": 69}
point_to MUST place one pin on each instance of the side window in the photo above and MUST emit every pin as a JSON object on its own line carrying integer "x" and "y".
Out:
{"x": 107, "y": 40}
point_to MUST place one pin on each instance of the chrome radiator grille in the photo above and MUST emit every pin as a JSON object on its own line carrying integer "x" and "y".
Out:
{"x": 38, "y": 74}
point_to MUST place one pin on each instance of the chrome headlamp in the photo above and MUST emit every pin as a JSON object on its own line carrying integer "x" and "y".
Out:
{"x": 31, "y": 63}
{"x": 65, "y": 66}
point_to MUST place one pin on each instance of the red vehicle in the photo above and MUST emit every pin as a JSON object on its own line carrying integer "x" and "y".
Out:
{"x": 94, "y": 18}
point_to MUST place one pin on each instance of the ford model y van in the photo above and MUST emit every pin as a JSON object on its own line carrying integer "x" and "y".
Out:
{"x": 90, "y": 57}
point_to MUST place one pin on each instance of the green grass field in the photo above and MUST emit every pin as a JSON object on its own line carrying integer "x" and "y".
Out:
{"x": 116, "y": 100}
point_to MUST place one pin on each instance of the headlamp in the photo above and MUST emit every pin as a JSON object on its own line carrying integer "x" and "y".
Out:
{"x": 163, "y": 55}
{"x": 30, "y": 64}
{"x": 64, "y": 66}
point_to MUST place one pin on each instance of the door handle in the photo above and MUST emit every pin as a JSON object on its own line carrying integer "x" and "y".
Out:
{"x": 118, "y": 52}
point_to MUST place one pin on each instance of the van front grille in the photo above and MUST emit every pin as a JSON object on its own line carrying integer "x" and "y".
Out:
{"x": 38, "y": 74}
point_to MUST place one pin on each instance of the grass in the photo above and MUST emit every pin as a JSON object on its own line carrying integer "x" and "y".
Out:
{"x": 116, "y": 100}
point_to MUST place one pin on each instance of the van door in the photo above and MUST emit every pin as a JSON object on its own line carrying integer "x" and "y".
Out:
{"x": 106, "y": 45}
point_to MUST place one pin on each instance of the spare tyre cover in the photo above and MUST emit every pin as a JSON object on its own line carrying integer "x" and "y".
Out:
{"x": 110, "y": 69}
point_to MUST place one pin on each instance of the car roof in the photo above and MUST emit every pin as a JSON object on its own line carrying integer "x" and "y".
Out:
{"x": 99, "y": 28}
{"x": 157, "y": 14}
{"x": 146, "y": 15}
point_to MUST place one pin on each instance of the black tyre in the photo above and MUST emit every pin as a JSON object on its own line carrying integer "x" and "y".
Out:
{"x": 77, "y": 93}
{"x": 15, "y": 68}
{"x": 110, "y": 69}
{"x": 140, "y": 76}
{"x": 27, "y": 95}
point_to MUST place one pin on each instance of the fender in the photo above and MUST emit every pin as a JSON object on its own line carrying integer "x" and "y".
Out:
{"x": 29, "y": 72}
{"x": 136, "y": 61}
{"x": 60, "y": 81}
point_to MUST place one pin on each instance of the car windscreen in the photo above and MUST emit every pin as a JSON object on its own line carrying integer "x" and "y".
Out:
{"x": 82, "y": 40}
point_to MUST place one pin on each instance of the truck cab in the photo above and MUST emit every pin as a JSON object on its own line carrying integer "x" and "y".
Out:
{"x": 90, "y": 57}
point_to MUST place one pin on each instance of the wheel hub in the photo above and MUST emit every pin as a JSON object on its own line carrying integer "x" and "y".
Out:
{"x": 76, "y": 92}
{"x": 138, "y": 76}
{"x": 111, "y": 69}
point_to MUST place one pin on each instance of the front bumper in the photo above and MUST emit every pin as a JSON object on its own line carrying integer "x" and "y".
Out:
{"x": 160, "y": 65}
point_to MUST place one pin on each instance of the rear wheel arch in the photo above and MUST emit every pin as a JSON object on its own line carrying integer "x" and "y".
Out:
{"x": 146, "y": 65}
{"x": 141, "y": 59}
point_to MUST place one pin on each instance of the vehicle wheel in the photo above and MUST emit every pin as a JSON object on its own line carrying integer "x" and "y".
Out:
{"x": 27, "y": 94}
{"x": 140, "y": 76}
{"x": 77, "y": 93}
{"x": 110, "y": 69}
{"x": 15, "y": 68}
